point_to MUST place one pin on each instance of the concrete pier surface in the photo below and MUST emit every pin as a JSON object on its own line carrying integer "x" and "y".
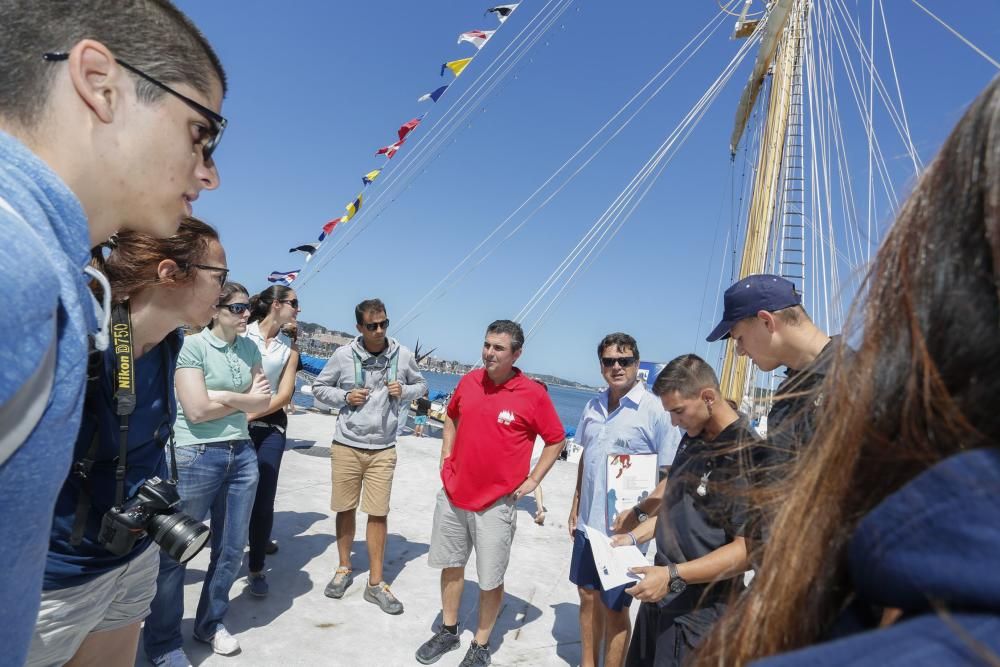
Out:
{"x": 297, "y": 625}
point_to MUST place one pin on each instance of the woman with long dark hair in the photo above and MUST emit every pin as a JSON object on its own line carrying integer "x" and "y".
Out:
{"x": 219, "y": 381}
{"x": 96, "y": 593}
{"x": 270, "y": 311}
{"x": 892, "y": 515}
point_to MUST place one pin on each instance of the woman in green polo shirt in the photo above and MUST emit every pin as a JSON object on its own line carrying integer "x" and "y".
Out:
{"x": 218, "y": 381}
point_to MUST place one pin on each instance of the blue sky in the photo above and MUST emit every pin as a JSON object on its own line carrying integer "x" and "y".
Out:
{"x": 316, "y": 87}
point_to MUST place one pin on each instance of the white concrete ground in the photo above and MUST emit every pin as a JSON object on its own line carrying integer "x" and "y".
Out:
{"x": 297, "y": 625}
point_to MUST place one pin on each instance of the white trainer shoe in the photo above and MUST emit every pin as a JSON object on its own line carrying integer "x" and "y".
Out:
{"x": 222, "y": 643}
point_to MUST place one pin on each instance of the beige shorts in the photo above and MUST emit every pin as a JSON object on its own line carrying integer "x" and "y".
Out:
{"x": 112, "y": 601}
{"x": 490, "y": 531}
{"x": 353, "y": 470}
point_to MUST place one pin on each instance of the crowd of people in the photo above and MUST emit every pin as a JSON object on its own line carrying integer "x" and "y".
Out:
{"x": 868, "y": 513}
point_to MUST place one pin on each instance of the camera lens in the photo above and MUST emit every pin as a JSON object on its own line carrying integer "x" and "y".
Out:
{"x": 179, "y": 535}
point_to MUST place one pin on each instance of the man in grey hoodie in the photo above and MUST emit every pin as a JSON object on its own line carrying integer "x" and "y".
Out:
{"x": 372, "y": 382}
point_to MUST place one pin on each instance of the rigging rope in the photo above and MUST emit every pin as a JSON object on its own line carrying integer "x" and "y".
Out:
{"x": 449, "y": 280}
{"x": 917, "y": 166}
{"x": 616, "y": 211}
{"x": 962, "y": 37}
{"x": 446, "y": 125}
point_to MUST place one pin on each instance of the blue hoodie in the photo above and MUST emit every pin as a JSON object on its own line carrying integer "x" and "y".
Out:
{"x": 43, "y": 250}
{"x": 936, "y": 539}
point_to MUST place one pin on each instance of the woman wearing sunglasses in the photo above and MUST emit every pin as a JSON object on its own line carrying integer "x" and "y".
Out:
{"x": 270, "y": 311}
{"x": 219, "y": 380}
{"x": 93, "y": 599}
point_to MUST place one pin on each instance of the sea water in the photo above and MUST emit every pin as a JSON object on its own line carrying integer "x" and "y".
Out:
{"x": 569, "y": 402}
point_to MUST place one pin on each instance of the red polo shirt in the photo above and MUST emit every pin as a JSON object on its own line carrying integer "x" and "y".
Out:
{"x": 497, "y": 425}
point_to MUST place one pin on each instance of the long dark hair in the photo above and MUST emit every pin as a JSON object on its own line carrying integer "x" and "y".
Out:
{"x": 131, "y": 264}
{"x": 921, "y": 387}
{"x": 260, "y": 304}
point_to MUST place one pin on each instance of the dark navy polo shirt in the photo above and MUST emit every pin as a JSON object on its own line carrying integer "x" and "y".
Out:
{"x": 705, "y": 506}
{"x": 156, "y": 407}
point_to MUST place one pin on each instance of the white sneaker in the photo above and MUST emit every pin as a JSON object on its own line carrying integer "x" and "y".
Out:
{"x": 222, "y": 643}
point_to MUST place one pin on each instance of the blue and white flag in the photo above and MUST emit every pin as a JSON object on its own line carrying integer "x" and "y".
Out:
{"x": 433, "y": 95}
{"x": 283, "y": 277}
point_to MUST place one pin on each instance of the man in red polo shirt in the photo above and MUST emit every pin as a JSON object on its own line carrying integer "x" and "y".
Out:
{"x": 493, "y": 419}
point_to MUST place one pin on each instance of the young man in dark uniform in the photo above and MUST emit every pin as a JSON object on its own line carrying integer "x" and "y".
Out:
{"x": 764, "y": 316}
{"x": 701, "y": 551}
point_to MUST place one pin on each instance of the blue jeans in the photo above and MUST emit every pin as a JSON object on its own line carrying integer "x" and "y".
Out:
{"x": 270, "y": 444}
{"x": 217, "y": 479}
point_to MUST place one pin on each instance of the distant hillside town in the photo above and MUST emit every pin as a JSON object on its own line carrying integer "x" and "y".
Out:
{"x": 318, "y": 341}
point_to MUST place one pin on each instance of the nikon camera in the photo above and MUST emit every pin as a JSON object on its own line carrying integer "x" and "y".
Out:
{"x": 153, "y": 510}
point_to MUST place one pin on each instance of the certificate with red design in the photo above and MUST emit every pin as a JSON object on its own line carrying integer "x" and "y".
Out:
{"x": 631, "y": 477}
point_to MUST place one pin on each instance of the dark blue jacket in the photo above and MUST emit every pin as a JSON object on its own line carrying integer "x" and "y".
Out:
{"x": 931, "y": 549}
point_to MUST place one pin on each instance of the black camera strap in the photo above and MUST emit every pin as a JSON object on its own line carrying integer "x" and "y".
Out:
{"x": 125, "y": 401}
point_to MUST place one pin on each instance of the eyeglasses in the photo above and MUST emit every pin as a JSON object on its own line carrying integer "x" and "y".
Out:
{"x": 294, "y": 303}
{"x": 624, "y": 362}
{"x": 372, "y": 326}
{"x": 212, "y": 135}
{"x": 223, "y": 272}
{"x": 235, "y": 308}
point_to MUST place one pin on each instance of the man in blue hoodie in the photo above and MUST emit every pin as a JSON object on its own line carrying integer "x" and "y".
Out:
{"x": 108, "y": 119}
{"x": 372, "y": 382}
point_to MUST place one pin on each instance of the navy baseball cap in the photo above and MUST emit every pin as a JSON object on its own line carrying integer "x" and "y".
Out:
{"x": 751, "y": 295}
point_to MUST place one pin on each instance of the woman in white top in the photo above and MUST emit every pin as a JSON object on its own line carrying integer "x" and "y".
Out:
{"x": 270, "y": 310}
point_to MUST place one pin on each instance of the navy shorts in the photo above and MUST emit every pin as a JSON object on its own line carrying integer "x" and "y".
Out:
{"x": 583, "y": 573}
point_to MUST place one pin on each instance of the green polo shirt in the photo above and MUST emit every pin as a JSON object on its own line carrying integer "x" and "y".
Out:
{"x": 227, "y": 367}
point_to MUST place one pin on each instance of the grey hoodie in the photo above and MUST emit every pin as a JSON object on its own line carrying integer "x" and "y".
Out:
{"x": 373, "y": 424}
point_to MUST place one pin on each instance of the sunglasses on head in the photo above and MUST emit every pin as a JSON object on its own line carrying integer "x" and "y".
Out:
{"x": 372, "y": 326}
{"x": 236, "y": 308}
{"x": 294, "y": 303}
{"x": 624, "y": 362}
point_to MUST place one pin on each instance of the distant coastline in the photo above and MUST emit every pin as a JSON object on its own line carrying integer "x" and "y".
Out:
{"x": 317, "y": 340}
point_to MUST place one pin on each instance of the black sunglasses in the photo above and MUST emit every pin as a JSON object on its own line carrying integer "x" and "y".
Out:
{"x": 624, "y": 362}
{"x": 294, "y": 303}
{"x": 217, "y": 124}
{"x": 235, "y": 308}
{"x": 372, "y": 326}
{"x": 223, "y": 272}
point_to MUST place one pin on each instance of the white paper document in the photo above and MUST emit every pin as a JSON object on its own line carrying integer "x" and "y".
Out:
{"x": 613, "y": 563}
{"x": 631, "y": 477}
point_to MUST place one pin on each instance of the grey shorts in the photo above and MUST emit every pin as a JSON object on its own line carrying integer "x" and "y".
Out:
{"x": 490, "y": 531}
{"x": 112, "y": 601}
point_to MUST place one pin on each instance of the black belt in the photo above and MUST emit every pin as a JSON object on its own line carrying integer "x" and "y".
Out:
{"x": 221, "y": 443}
{"x": 262, "y": 424}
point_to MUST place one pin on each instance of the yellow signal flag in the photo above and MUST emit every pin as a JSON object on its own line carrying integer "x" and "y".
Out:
{"x": 456, "y": 66}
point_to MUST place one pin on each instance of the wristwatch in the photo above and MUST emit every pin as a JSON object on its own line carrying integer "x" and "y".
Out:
{"x": 677, "y": 583}
{"x": 639, "y": 514}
